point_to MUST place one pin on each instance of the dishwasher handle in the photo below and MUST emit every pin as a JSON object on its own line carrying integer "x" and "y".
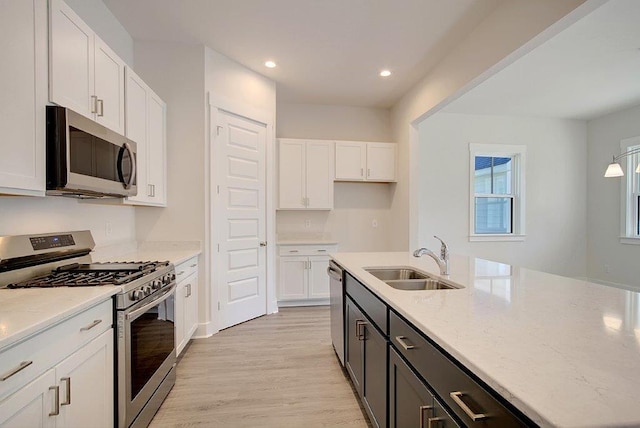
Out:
{"x": 334, "y": 274}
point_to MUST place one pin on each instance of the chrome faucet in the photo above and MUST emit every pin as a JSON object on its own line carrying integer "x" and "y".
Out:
{"x": 442, "y": 261}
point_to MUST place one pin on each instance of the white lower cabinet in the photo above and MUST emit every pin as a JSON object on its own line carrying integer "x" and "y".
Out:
{"x": 186, "y": 302}
{"x": 62, "y": 377}
{"x": 302, "y": 274}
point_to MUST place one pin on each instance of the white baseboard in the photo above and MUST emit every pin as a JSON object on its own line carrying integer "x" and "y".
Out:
{"x": 303, "y": 302}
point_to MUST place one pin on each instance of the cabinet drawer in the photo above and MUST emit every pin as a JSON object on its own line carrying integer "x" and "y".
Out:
{"x": 370, "y": 304}
{"x": 306, "y": 250}
{"x": 453, "y": 386}
{"x": 186, "y": 268}
{"x": 25, "y": 360}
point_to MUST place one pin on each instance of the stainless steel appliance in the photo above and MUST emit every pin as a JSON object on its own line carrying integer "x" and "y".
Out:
{"x": 145, "y": 310}
{"x": 336, "y": 307}
{"x": 85, "y": 159}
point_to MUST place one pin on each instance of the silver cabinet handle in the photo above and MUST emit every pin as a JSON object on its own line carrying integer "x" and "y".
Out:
{"x": 149, "y": 193}
{"x": 101, "y": 108}
{"x": 56, "y": 412}
{"x": 422, "y": 409}
{"x": 23, "y": 365}
{"x": 180, "y": 273}
{"x": 94, "y": 102}
{"x": 90, "y": 326}
{"x": 196, "y": 264}
{"x": 294, "y": 251}
{"x": 359, "y": 324}
{"x": 457, "y": 397}
{"x": 322, "y": 251}
{"x": 368, "y": 172}
{"x": 303, "y": 203}
{"x": 430, "y": 422}
{"x": 402, "y": 341}
{"x": 67, "y": 381}
{"x": 361, "y": 172}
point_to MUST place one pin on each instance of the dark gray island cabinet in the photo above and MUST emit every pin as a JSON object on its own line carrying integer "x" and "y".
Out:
{"x": 404, "y": 379}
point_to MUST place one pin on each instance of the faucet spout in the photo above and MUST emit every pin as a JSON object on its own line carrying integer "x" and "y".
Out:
{"x": 442, "y": 260}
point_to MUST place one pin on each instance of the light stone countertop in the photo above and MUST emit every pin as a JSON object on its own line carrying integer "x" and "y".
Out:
{"x": 565, "y": 352}
{"x": 175, "y": 252}
{"x": 24, "y": 312}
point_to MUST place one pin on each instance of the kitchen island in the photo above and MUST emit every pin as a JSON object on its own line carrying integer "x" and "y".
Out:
{"x": 564, "y": 352}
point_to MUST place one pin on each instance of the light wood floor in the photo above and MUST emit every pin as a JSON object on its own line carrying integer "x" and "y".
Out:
{"x": 279, "y": 370}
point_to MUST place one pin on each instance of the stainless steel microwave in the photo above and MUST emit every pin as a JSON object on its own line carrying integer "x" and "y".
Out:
{"x": 87, "y": 160}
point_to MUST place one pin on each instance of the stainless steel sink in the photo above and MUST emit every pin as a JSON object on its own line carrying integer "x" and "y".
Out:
{"x": 405, "y": 278}
{"x": 420, "y": 284}
{"x": 392, "y": 274}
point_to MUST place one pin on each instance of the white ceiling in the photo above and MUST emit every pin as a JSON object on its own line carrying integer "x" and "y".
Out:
{"x": 328, "y": 51}
{"x": 587, "y": 71}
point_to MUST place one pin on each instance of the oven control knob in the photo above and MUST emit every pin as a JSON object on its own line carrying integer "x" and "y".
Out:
{"x": 167, "y": 278}
{"x": 156, "y": 285}
{"x": 147, "y": 290}
{"x": 173, "y": 277}
{"x": 137, "y": 294}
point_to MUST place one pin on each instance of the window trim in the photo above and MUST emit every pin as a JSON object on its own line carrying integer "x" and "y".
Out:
{"x": 628, "y": 193}
{"x": 518, "y": 152}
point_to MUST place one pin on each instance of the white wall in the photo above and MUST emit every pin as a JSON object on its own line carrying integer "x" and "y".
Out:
{"x": 98, "y": 16}
{"x": 356, "y": 205}
{"x": 556, "y": 197}
{"x": 469, "y": 62}
{"x": 603, "y": 201}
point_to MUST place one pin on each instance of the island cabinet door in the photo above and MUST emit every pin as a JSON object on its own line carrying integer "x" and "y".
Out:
{"x": 354, "y": 332}
{"x": 374, "y": 387}
{"x": 410, "y": 402}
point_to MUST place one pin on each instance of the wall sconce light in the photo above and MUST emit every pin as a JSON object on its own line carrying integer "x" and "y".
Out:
{"x": 614, "y": 169}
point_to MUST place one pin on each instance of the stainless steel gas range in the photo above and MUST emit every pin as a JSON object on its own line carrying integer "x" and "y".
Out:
{"x": 145, "y": 310}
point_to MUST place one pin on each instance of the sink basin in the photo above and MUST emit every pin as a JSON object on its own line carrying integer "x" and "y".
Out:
{"x": 420, "y": 284}
{"x": 406, "y": 278}
{"x": 392, "y": 274}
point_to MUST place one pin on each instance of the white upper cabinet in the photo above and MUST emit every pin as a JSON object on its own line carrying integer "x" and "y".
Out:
{"x": 23, "y": 85}
{"x": 360, "y": 161}
{"x": 85, "y": 75}
{"x": 146, "y": 125}
{"x": 306, "y": 174}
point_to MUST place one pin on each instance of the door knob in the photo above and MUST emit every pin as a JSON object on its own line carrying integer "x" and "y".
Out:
{"x": 263, "y": 243}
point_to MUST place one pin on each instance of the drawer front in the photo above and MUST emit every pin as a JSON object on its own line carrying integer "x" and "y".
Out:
{"x": 306, "y": 250}
{"x": 370, "y": 304}
{"x": 24, "y": 361}
{"x": 186, "y": 268}
{"x": 461, "y": 393}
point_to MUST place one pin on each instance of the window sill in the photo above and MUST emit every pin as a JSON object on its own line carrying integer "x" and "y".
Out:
{"x": 498, "y": 238}
{"x": 629, "y": 241}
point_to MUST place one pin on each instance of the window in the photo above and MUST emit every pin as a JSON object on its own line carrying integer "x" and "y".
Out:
{"x": 631, "y": 193}
{"x": 497, "y": 192}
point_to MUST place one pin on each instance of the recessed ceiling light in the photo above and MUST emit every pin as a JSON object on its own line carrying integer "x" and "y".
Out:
{"x": 385, "y": 73}
{"x": 270, "y": 64}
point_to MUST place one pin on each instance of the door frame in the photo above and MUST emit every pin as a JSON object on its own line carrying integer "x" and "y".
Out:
{"x": 215, "y": 104}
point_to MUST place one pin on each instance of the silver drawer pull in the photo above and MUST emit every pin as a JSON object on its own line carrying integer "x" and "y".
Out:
{"x": 322, "y": 251}
{"x": 56, "y": 412}
{"x": 180, "y": 273}
{"x": 402, "y": 341}
{"x": 457, "y": 397}
{"x": 23, "y": 365}
{"x": 422, "y": 409}
{"x": 90, "y": 326}
{"x": 431, "y": 424}
{"x": 194, "y": 265}
{"x": 360, "y": 334}
{"x": 67, "y": 380}
{"x": 294, "y": 251}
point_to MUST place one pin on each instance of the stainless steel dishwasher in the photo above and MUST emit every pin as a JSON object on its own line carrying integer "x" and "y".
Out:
{"x": 336, "y": 301}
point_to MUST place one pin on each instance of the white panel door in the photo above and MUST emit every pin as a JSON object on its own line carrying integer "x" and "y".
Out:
{"x": 23, "y": 85}
{"x": 109, "y": 87}
{"x": 318, "y": 278}
{"x": 350, "y": 160}
{"x": 86, "y": 385}
{"x": 319, "y": 175}
{"x": 71, "y": 60}
{"x": 241, "y": 147}
{"x": 381, "y": 161}
{"x": 292, "y": 173}
{"x": 31, "y": 405}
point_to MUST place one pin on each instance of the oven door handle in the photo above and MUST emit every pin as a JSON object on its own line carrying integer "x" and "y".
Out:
{"x": 164, "y": 296}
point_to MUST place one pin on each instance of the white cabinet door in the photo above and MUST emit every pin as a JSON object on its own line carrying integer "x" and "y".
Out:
{"x": 179, "y": 318}
{"x": 292, "y": 160}
{"x": 86, "y": 385}
{"x": 381, "y": 161}
{"x": 319, "y": 174}
{"x": 191, "y": 307}
{"x": 293, "y": 278}
{"x": 23, "y": 83}
{"x": 31, "y": 405}
{"x": 136, "y": 128}
{"x": 318, "y": 277}
{"x": 156, "y": 157}
{"x": 109, "y": 87}
{"x": 71, "y": 60}
{"x": 351, "y": 157}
